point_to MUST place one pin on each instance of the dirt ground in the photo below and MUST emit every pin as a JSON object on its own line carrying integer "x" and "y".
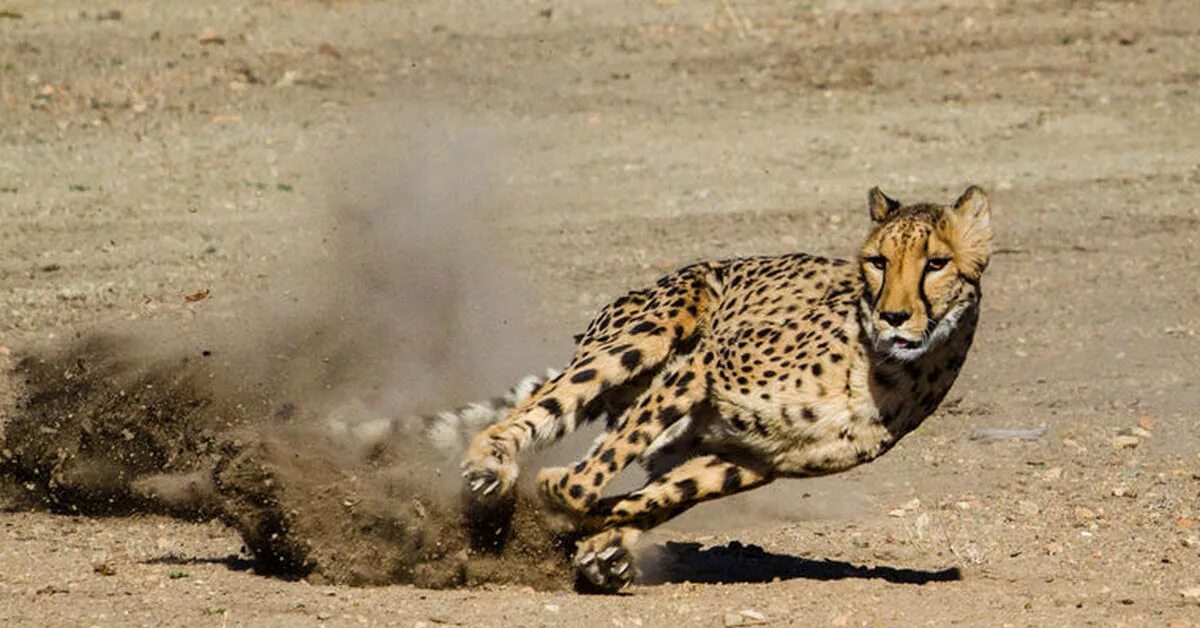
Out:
{"x": 159, "y": 149}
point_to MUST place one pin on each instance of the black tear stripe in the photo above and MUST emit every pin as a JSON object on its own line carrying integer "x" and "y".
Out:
{"x": 925, "y": 299}
{"x": 882, "y": 285}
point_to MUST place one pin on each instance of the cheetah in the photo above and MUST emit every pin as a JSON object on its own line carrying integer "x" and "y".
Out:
{"x": 727, "y": 375}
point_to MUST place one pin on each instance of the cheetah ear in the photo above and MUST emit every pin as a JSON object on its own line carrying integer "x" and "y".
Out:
{"x": 968, "y": 227}
{"x": 880, "y": 205}
{"x": 975, "y": 207}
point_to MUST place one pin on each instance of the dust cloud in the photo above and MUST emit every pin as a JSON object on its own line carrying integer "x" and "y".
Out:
{"x": 294, "y": 414}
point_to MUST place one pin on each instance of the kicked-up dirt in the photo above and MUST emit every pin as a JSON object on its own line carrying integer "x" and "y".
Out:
{"x": 243, "y": 245}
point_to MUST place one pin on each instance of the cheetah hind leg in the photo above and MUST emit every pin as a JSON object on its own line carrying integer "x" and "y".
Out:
{"x": 671, "y": 396}
{"x": 676, "y": 445}
{"x": 633, "y": 335}
{"x": 604, "y": 562}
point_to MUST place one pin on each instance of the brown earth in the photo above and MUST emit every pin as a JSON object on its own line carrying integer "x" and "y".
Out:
{"x": 462, "y": 184}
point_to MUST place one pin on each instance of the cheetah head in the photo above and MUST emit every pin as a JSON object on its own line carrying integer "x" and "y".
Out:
{"x": 921, "y": 267}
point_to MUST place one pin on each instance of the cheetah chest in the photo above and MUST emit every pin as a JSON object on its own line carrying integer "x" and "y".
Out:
{"x": 805, "y": 392}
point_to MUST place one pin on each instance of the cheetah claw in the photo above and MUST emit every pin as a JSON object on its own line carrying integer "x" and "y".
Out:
{"x": 607, "y": 570}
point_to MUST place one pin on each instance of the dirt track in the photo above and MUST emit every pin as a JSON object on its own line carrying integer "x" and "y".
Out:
{"x": 182, "y": 146}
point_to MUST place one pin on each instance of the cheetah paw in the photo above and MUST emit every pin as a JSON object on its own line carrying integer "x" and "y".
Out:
{"x": 490, "y": 478}
{"x": 604, "y": 562}
{"x": 489, "y": 475}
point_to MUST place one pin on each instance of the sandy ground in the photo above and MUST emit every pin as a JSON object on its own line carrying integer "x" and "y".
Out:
{"x": 171, "y": 147}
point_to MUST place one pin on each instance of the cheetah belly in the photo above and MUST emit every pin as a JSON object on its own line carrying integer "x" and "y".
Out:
{"x": 801, "y": 438}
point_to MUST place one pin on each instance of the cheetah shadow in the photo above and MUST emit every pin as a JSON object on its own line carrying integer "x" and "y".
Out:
{"x": 673, "y": 562}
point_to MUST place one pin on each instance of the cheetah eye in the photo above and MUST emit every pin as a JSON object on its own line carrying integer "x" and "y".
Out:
{"x": 936, "y": 264}
{"x": 878, "y": 261}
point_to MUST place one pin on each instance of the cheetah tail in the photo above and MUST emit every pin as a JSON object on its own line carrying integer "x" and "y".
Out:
{"x": 450, "y": 431}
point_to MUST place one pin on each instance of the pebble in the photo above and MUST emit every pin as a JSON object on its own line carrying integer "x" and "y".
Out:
{"x": 1126, "y": 442}
{"x": 1124, "y": 491}
{"x": 1028, "y": 508}
{"x": 745, "y": 617}
{"x": 753, "y": 615}
{"x": 1191, "y": 594}
{"x": 210, "y": 36}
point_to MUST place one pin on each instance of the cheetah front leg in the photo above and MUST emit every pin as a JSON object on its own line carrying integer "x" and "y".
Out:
{"x": 605, "y": 559}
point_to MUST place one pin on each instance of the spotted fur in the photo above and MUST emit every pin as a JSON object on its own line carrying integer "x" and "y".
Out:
{"x": 727, "y": 375}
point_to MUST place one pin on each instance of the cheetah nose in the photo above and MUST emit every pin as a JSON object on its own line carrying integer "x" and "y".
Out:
{"x": 895, "y": 319}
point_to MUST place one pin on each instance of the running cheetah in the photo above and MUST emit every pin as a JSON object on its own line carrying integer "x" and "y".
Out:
{"x": 727, "y": 375}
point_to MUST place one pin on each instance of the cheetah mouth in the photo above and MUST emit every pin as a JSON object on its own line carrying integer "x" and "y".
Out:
{"x": 905, "y": 343}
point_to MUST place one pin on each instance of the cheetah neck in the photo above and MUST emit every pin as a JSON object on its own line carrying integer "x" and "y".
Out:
{"x": 901, "y": 394}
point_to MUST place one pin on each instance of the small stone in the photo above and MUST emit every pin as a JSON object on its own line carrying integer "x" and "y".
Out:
{"x": 1124, "y": 491}
{"x": 1053, "y": 474}
{"x": 1191, "y": 595}
{"x": 734, "y": 619}
{"x": 1053, "y": 549}
{"x": 1083, "y": 513}
{"x": 1028, "y": 508}
{"x": 104, "y": 569}
{"x": 552, "y": 608}
{"x": 899, "y": 512}
{"x": 1140, "y": 432}
{"x": 1126, "y": 442}
{"x": 753, "y": 615}
{"x": 288, "y": 79}
{"x": 329, "y": 50}
{"x": 1146, "y": 423}
{"x": 921, "y": 524}
{"x": 210, "y": 36}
